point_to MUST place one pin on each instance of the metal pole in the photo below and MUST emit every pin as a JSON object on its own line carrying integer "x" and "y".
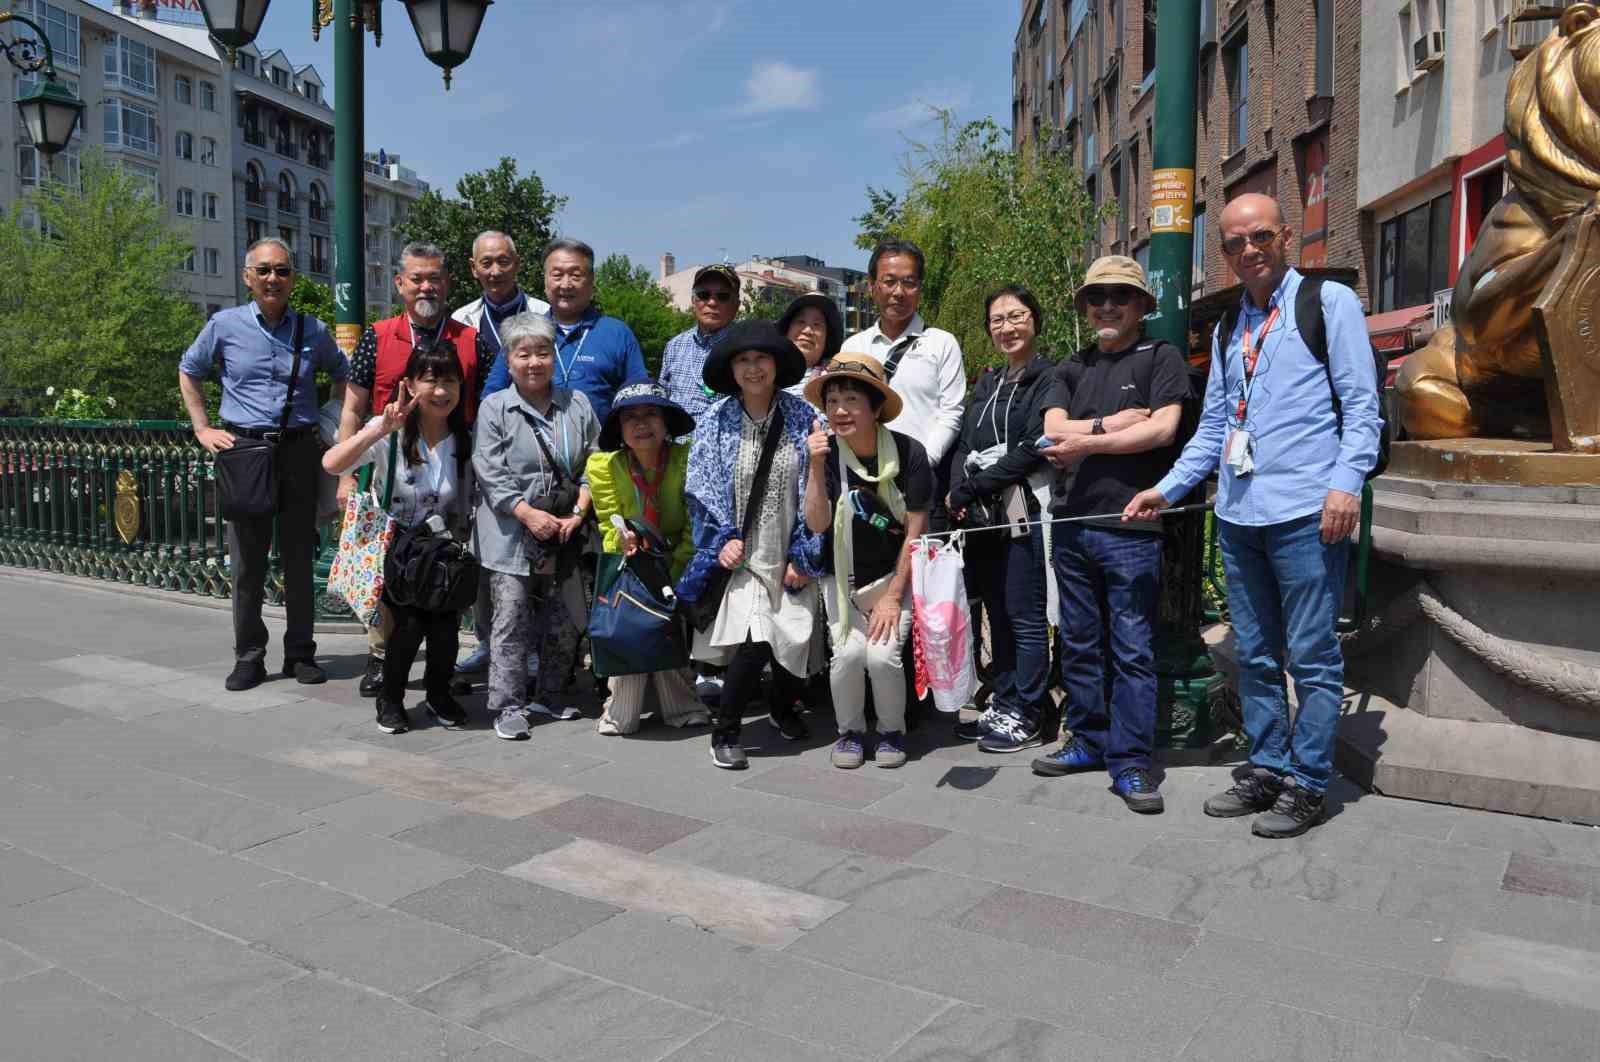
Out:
{"x": 349, "y": 134}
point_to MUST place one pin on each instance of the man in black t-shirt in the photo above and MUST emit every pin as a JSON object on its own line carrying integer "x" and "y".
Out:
{"x": 1113, "y": 416}
{"x": 868, "y": 495}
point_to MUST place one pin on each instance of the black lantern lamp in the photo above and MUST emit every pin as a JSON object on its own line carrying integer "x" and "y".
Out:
{"x": 234, "y": 23}
{"x": 447, "y": 29}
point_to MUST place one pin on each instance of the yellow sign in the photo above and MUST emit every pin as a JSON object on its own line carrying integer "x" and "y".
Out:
{"x": 348, "y": 337}
{"x": 1172, "y": 200}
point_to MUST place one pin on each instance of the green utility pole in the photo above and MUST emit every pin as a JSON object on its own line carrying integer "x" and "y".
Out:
{"x": 349, "y": 135}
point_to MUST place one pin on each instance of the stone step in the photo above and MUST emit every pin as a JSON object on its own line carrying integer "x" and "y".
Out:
{"x": 1569, "y": 522}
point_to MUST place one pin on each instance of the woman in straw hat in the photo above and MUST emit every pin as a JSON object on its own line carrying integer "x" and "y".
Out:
{"x": 868, "y": 492}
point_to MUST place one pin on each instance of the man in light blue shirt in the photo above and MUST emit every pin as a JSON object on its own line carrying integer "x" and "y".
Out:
{"x": 1295, "y": 438}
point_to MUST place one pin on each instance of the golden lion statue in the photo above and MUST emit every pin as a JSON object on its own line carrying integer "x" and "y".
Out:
{"x": 1487, "y": 373}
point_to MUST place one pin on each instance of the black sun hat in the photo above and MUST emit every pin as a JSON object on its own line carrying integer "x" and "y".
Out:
{"x": 752, "y": 335}
{"x": 643, "y": 392}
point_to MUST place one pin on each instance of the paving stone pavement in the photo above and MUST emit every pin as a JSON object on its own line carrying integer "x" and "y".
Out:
{"x": 191, "y": 874}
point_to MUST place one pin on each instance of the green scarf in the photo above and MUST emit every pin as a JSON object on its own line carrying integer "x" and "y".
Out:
{"x": 844, "y": 520}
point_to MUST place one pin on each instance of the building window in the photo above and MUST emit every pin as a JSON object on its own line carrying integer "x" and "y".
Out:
{"x": 188, "y": 262}
{"x": 1323, "y": 13}
{"x": 312, "y": 92}
{"x": 210, "y": 202}
{"x": 254, "y": 194}
{"x": 280, "y": 77}
{"x": 247, "y": 63}
{"x": 128, "y": 125}
{"x": 131, "y": 65}
{"x": 1197, "y": 260}
{"x": 183, "y": 89}
{"x": 213, "y": 262}
{"x": 1414, "y": 255}
{"x": 1483, "y": 191}
{"x": 208, "y": 96}
{"x": 318, "y": 205}
{"x": 184, "y": 146}
{"x": 183, "y": 202}
{"x": 286, "y": 197}
{"x": 27, "y": 165}
{"x": 1147, "y": 64}
{"x": 319, "y": 254}
{"x": 254, "y": 231}
{"x": 149, "y": 179}
{"x": 60, "y": 29}
{"x": 1236, "y": 58}
{"x": 208, "y": 151}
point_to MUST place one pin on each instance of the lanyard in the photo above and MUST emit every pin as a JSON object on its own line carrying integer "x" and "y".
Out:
{"x": 412, "y": 332}
{"x": 488, "y": 314}
{"x": 288, "y": 319}
{"x": 565, "y": 368}
{"x": 1250, "y": 355}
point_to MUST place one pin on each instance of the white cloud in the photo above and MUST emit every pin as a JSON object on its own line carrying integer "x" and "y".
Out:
{"x": 922, "y": 108}
{"x": 780, "y": 86}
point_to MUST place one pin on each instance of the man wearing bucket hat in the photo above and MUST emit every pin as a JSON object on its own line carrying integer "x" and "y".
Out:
{"x": 714, "y": 298}
{"x": 1113, "y": 417}
{"x": 868, "y": 491}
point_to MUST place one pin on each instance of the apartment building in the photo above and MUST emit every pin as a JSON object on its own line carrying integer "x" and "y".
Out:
{"x": 794, "y": 274}
{"x": 389, "y": 189}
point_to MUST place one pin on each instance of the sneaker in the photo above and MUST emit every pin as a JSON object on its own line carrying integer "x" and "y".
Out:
{"x": 305, "y": 672}
{"x": 446, "y": 711}
{"x": 708, "y": 687}
{"x": 978, "y": 729}
{"x": 1139, "y": 791}
{"x": 1256, "y": 791}
{"x": 789, "y": 724}
{"x": 246, "y": 675}
{"x": 474, "y": 662}
{"x": 1073, "y": 756}
{"x": 566, "y": 712}
{"x": 392, "y": 717}
{"x": 728, "y": 755}
{"x": 512, "y": 724}
{"x": 1010, "y": 735}
{"x": 606, "y": 728}
{"x": 1294, "y": 812}
{"x": 891, "y": 750}
{"x": 372, "y": 680}
{"x": 848, "y": 753}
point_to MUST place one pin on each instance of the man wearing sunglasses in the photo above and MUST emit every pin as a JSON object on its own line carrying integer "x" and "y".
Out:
{"x": 252, "y": 348}
{"x": 715, "y": 295}
{"x": 1112, "y": 415}
{"x": 1293, "y": 458}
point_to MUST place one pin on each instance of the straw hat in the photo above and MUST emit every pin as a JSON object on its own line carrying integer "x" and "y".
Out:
{"x": 863, "y": 369}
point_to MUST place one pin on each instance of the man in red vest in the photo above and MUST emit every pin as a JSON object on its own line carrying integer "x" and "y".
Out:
{"x": 380, "y": 362}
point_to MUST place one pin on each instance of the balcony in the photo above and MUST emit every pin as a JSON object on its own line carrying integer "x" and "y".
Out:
{"x": 286, "y": 148}
{"x": 319, "y": 212}
{"x": 255, "y": 137}
{"x": 288, "y": 204}
{"x": 317, "y": 159}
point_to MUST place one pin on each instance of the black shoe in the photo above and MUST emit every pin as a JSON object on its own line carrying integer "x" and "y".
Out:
{"x": 446, "y": 711}
{"x": 1257, "y": 790}
{"x": 372, "y": 681}
{"x": 246, "y": 675}
{"x": 1294, "y": 812}
{"x": 790, "y": 725}
{"x": 729, "y": 756}
{"x": 392, "y": 717}
{"x": 305, "y": 672}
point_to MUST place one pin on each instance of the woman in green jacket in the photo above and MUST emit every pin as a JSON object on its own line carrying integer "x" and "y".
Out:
{"x": 638, "y": 473}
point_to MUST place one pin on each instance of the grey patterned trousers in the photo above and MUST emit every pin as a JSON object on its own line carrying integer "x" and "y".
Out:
{"x": 523, "y": 605}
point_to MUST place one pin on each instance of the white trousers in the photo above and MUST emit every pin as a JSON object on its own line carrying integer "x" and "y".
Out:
{"x": 858, "y": 660}
{"x": 674, "y": 694}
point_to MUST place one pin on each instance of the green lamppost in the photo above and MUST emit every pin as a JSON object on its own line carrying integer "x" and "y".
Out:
{"x": 446, "y": 29}
{"x": 49, "y": 112}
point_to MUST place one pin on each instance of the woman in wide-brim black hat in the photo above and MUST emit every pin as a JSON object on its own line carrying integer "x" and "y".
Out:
{"x": 813, "y": 323}
{"x": 761, "y": 337}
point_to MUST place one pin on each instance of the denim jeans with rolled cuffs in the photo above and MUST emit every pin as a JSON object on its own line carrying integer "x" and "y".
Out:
{"x": 1122, "y": 570}
{"x": 1285, "y": 588}
{"x": 1010, "y": 575}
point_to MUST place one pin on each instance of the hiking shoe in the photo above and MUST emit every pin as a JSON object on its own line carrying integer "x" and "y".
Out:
{"x": 549, "y": 712}
{"x": 372, "y": 680}
{"x": 392, "y": 717}
{"x": 790, "y": 724}
{"x": 512, "y": 724}
{"x": 848, "y": 753}
{"x": 474, "y": 662}
{"x": 1255, "y": 791}
{"x": 1139, "y": 791}
{"x": 1294, "y": 812}
{"x": 306, "y": 672}
{"x": 891, "y": 750}
{"x": 246, "y": 675}
{"x": 729, "y": 755}
{"x": 977, "y": 729}
{"x": 1010, "y": 735}
{"x": 446, "y": 711}
{"x": 1073, "y": 756}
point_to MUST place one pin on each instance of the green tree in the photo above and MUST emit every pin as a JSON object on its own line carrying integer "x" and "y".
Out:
{"x": 90, "y": 295}
{"x": 986, "y": 215}
{"x": 626, "y": 291}
{"x": 766, "y": 303}
{"x": 495, "y": 199}
{"x": 313, "y": 299}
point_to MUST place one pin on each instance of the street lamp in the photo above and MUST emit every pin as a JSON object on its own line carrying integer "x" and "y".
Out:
{"x": 234, "y": 23}
{"x": 447, "y": 29}
{"x": 49, "y": 111}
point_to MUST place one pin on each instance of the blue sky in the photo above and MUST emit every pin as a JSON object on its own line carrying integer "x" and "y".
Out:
{"x": 701, "y": 128}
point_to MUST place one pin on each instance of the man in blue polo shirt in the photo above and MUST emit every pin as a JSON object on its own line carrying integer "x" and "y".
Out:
{"x": 252, "y": 348}
{"x": 595, "y": 353}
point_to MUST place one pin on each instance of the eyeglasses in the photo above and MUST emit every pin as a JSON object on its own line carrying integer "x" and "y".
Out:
{"x": 907, "y": 284}
{"x": 272, "y": 270}
{"x": 713, "y": 295}
{"x": 1015, "y": 317}
{"x": 1259, "y": 238}
{"x": 1116, "y": 296}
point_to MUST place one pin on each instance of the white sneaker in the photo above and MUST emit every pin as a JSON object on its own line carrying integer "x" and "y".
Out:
{"x": 567, "y": 712}
{"x": 512, "y": 724}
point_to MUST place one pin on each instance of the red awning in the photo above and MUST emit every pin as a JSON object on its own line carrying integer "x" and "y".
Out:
{"x": 1390, "y": 331}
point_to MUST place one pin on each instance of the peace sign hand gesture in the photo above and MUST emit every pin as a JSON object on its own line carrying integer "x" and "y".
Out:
{"x": 395, "y": 413}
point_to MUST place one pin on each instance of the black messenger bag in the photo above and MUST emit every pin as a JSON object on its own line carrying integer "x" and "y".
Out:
{"x": 247, "y": 471}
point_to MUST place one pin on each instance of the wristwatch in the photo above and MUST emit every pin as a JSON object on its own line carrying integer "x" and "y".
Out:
{"x": 1099, "y": 426}
{"x": 577, "y": 510}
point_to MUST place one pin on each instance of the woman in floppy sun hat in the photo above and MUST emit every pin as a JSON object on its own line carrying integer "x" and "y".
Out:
{"x": 868, "y": 493}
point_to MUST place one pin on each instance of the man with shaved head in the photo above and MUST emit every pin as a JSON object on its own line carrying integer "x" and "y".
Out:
{"x": 1294, "y": 426}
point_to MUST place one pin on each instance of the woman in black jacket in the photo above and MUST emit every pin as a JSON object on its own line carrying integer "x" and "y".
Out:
{"x": 998, "y": 473}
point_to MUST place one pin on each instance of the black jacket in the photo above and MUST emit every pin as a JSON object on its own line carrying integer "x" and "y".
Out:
{"x": 1018, "y": 412}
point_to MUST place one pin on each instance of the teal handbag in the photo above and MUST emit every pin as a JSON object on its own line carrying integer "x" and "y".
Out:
{"x": 634, "y": 626}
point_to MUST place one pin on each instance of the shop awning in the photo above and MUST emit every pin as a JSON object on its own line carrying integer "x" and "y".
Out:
{"x": 1391, "y": 331}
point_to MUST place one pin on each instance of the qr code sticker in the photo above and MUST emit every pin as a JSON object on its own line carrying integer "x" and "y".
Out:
{"x": 1163, "y": 217}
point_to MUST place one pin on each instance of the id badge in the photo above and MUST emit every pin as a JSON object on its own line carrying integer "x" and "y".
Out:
{"x": 1239, "y": 452}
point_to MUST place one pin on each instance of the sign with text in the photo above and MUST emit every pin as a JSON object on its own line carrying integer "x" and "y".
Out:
{"x": 1314, "y": 203}
{"x": 1172, "y": 200}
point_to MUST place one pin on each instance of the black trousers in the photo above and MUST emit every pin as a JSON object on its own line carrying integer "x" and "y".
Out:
{"x": 441, "y": 630}
{"x": 250, "y": 545}
{"x": 743, "y": 679}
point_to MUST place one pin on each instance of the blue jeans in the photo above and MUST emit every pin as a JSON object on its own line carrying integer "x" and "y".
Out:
{"x": 1109, "y": 584}
{"x": 1010, "y": 575}
{"x": 1285, "y": 588}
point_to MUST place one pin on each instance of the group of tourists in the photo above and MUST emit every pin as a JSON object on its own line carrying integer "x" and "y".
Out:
{"x": 782, "y": 475}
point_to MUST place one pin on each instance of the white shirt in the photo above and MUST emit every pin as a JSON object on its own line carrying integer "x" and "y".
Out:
{"x": 419, "y": 490}
{"x": 931, "y": 382}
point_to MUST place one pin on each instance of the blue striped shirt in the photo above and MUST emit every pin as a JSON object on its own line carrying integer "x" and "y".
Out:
{"x": 683, "y": 361}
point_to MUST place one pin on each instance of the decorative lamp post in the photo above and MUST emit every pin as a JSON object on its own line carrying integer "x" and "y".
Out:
{"x": 49, "y": 111}
{"x": 234, "y": 23}
{"x": 447, "y": 29}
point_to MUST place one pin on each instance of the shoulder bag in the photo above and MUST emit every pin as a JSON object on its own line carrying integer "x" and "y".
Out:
{"x": 247, "y": 471}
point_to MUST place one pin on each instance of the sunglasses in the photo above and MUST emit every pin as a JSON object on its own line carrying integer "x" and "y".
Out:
{"x": 1115, "y": 296}
{"x": 852, "y": 368}
{"x": 713, "y": 295}
{"x": 270, "y": 271}
{"x": 1259, "y": 238}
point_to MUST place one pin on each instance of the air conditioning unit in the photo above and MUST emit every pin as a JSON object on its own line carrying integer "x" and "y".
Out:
{"x": 1528, "y": 10}
{"x": 1427, "y": 51}
{"x": 1525, "y": 36}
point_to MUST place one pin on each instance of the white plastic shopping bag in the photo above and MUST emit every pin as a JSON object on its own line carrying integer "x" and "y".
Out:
{"x": 943, "y": 622}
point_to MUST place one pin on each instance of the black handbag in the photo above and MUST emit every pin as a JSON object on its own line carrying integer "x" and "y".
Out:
{"x": 247, "y": 471}
{"x": 558, "y": 501}
{"x": 428, "y": 570}
{"x": 702, "y": 611}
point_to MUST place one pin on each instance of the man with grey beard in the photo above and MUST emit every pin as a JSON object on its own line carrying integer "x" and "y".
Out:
{"x": 380, "y": 363}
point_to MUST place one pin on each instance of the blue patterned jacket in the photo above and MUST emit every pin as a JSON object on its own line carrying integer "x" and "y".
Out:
{"x": 710, "y": 488}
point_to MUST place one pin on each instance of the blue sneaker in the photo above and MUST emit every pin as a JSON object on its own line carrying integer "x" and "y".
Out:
{"x": 477, "y": 661}
{"x": 1010, "y": 735}
{"x": 1139, "y": 791}
{"x": 848, "y": 752}
{"x": 1073, "y": 756}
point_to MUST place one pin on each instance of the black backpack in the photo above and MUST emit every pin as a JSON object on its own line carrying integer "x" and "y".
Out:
{"x": 1314, "y": 331}
{"x": 429, "y": 571}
